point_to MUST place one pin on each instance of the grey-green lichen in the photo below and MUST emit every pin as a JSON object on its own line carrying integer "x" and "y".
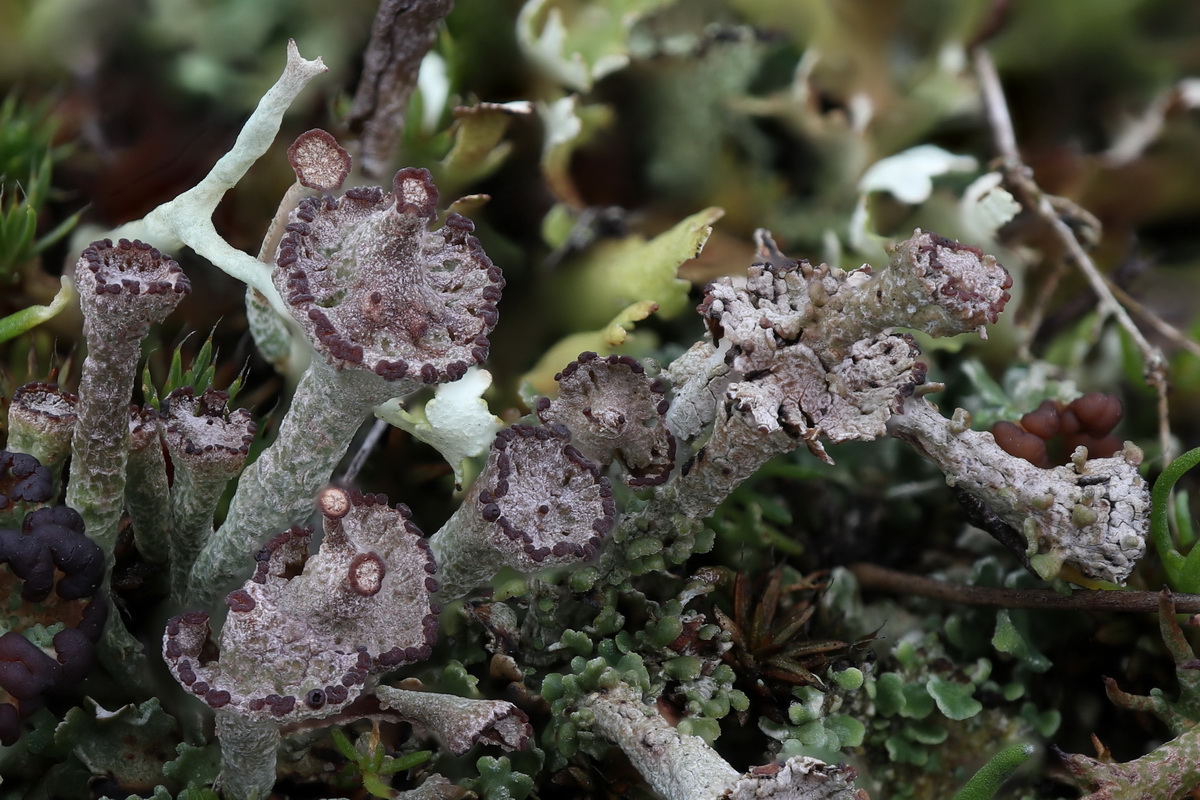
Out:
{"x": 1091, "y": 515}
{"x": 124, "y": 289}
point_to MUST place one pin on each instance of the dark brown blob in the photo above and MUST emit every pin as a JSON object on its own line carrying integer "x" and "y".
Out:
{"x": 1042, "y": 422}
{"x": 1015, "y": 441}
{"x": 1098, "y": 413}
{"x": 22, "y": 479}
{"x": 1087, "y": 421}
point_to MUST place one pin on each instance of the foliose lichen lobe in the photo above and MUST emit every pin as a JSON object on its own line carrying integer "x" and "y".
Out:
{"x": 305, "y": 633}
{"x": 376, "y": 288}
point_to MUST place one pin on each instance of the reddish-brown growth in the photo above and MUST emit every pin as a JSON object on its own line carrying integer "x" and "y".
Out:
{"x": 1051, "y": 432}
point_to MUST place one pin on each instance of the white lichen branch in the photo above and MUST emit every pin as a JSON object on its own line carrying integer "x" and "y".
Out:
{"x": 681, "y": 766}
{"x": 187, "y": 220}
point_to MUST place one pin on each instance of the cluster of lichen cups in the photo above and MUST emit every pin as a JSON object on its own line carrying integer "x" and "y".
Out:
{"x": 384, "y": 302}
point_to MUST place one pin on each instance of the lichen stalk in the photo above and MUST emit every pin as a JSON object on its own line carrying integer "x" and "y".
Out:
{"x": 208, "y": 446}
{"x": 388, "y": 306}
{"x": 677, "y": 766}
{"x": 41, "y": 422}
{"x": 147, "y": 493}
{"x": 276, "y": 491}
{"x": 681, "y": 766}
{"x": 123, "y": 290}
{"x": 247, "y": 757}
{"x": 187, "y": 220}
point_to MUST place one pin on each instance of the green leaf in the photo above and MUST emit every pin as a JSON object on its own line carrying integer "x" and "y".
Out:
{"x": 577, "y": 42}
{"x": 343, "y": 745}
{"x": 1012, "y": 639}
{"x": 850, "y": 731}
{"x": 377, "y": 787}
{"x": 18, "y": 323}
{"x": 1160, "y": 502}
{"x": 405, "y": 762}
{"x": 987, "y": 781}
{"x": 889, "y": 694}
{"x": 478, "y": 149}
{"x": 604, "y": 341}
{"x": 955, "y": 700}
{"x": 614, "y": 273}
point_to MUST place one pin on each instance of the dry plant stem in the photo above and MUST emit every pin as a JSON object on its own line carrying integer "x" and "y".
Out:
{"x": 187, "y": 220}
{"x": 1037, "y": 314}
{"x": 1165, "y": 328}
{"x": 247, "y": 757}
{"x": 1020, "y": 178}
{"x": 401, "y": 35}
{"x": 877, "y": 578}
{"x": 277, "y": 490}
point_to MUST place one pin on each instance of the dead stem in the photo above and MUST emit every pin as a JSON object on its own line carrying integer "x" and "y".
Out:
{"x": 1019, "y": 179}
{"x": 882, "y": 579}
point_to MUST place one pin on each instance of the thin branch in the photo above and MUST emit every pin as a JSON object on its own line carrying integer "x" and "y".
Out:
{"x": 1019, "y": 177}
{"x": 1159, "y": 324}
{"x": 401, "y": 36}
{"x": 882, "y": 579}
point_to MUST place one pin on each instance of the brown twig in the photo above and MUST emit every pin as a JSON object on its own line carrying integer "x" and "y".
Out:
{"x": 1019, "y": 179}
{"x": 882, "y": 579}
{"x": 1166, "y": 329}
{"x": 401, "y": 35}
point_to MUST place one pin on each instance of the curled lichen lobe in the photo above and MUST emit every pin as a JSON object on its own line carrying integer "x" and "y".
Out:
{"x": 375, "y": 288}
